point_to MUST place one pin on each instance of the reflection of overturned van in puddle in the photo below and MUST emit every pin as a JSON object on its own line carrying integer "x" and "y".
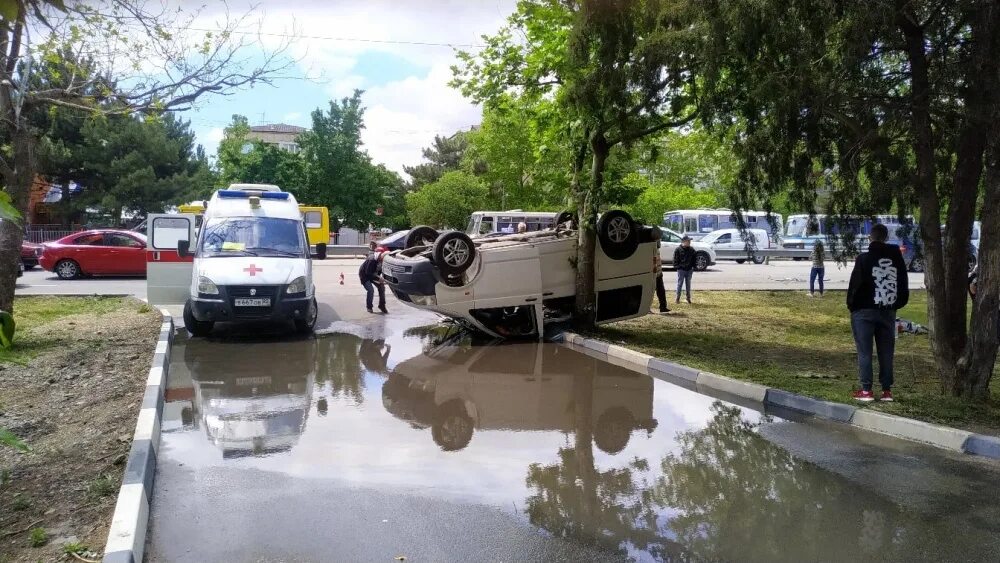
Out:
{"x": 252, "y": 399}
{"x": 455, "y": 389}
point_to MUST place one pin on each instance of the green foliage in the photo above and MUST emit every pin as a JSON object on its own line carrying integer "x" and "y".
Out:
{"x": 448, "y": 202}
{"x": 11, "y": 441}
{"x": 103, "y": 486}
{"x": 242, "y": 160}
{"x": 39, "y": 537}
{"x": 7, "y": 327}
{"x": 75, "y": 548}
{"x": 339, "y": 173}
{"x": 444, "y": 155}
{"x": 7, "y": 211}
{"x": 658, "y": 197}
{"x": 508, "y": 151}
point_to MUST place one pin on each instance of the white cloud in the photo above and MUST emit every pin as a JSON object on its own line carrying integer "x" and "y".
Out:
{"x": 404, "y": 116}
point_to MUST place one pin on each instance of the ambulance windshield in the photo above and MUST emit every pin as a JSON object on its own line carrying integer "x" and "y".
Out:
{"x": 252, "y": 236}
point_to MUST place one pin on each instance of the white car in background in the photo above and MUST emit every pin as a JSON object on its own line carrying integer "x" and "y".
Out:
{"x": 670, "y": 240}
{"x": 507, "y": 286}
{"x": 735, "y": 240}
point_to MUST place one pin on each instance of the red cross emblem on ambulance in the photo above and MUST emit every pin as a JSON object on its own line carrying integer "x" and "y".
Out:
{"x": 252, "y": 270}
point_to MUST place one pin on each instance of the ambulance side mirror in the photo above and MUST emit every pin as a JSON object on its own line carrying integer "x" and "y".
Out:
{"x": 320, "y": 251}
{"x": 183, "y": 248}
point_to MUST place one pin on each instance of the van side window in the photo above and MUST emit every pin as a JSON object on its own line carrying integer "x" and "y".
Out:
{"x": 313, "y": 219}
{"x": 726, "y": 238}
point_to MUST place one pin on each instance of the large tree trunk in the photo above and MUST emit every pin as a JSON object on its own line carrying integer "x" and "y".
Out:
{"x": 18, "y": 180}
{"x": 947, "y": 327}
{"x": 975, "y": 370}
{"x": 588, "y": 201}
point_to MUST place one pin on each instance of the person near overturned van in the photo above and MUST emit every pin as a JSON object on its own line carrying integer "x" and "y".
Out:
{"x": 684, "y": 263}
{"x": 661, "y": 291}
{"x": 371, "y": 278}
{"x": 878, "y": 288}
{"x": 818, "y": 270}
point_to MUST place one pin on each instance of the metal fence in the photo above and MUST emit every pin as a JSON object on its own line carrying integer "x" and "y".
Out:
{"x": 45, "y": 233}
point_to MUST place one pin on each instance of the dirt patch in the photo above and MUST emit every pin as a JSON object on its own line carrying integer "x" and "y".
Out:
{"x": 75, "y": 404}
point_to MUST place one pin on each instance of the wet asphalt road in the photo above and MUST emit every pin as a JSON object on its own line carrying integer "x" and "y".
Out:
{"x": 378, "y": 443}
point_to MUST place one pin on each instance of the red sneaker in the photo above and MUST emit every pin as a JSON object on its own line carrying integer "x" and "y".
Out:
{"x": 864, "y": 396}
{"x": 886, "y": 396}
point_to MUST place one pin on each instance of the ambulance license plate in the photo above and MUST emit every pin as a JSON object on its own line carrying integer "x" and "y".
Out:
{"x": 259, "y": 302}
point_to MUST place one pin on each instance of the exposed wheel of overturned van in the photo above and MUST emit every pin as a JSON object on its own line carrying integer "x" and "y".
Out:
{"x": 306, "y": 325}
{"x": 193, "y": 325}
{"x": 618, "y": 234}
{"x": 701, "y": 261}
{"x": 421, "y": 235}
{"x": 454, "y": 252}
{"x": 757, "y": 259}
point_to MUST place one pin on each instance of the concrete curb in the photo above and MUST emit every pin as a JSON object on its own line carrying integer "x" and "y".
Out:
{"x": 127, "y": 536}
{"x": 707, "y": 383}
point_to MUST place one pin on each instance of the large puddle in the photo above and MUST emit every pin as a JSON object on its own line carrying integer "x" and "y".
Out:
{"x": 575, "y": 449}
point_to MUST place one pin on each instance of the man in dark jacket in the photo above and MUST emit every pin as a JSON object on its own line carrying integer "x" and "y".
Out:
{"x": 370, "y": 273}
{"x": 878, "y": 288}
{"x": 684, "y": 264}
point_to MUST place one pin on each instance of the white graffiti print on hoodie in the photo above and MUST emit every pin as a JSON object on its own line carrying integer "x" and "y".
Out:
{"x": 886, "y": 280}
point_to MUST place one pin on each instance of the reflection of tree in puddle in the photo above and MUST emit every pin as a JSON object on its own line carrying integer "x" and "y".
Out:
{"x": 344, "y": 359}
{"x": 730, "y": 495}
{"x": 608, "y": 509}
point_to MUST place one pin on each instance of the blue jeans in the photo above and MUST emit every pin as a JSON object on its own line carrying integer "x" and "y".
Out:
{"x": 370, "y": 288}
{"x": 876, "y": 325}
{"x": 684, "y": 277}
{"x": 814, "y": 274}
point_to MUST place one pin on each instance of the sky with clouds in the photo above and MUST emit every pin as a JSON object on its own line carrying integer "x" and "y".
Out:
{"x": 338, "y": 47}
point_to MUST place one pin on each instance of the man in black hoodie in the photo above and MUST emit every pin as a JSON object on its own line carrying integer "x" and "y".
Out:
{"x": 878, "y": 288}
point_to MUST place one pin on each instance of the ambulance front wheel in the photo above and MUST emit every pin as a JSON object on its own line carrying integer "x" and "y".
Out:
{"x": 193, "y": 325}
{"x": 306, "y": 325}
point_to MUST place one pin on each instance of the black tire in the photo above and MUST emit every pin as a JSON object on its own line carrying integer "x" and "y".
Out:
{"x": 917, "y": 265}
{"x": 193, "y": 325}
{"x": 972, "y": 262}
{"x": 67, "y": 269}
{"x": 566, "y": 216}
{"x": 758, "y": 259}
{"x": 798, "y": 259}
{"x": 618, "y": 234}
{"x": 454, "y": 252}
{"x": 741, "y": 261}
{"x": 701, "y": 261}
{"x": 421, "y": 235}
{"x": 306, "y": 325}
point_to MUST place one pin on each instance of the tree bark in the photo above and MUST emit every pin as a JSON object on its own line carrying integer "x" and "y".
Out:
{"x": 946, "y": 327}
{"x": 975, "y": 369}
{"x": 18, "y": 182}
{"x": 587, "y": 202}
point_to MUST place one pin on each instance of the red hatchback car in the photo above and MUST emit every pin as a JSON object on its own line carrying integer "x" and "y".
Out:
{"x": 98, "y": 253}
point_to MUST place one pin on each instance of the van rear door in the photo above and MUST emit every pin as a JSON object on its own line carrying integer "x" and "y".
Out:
{"x": 168, "y": 275}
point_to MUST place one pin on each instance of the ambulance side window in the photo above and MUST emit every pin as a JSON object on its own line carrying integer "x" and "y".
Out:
{"x": 166, "y": 231}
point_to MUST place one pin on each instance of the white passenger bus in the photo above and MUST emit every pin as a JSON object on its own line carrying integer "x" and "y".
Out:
{"x": 697, "y": 223}
{"x": 491, "y": 222}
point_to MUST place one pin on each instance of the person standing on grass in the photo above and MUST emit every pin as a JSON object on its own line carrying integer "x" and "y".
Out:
{"x": 818, "y": 269}
{"x": 878, "y": 288}
{"x": 371, "y": 278}
{"x": 661, "y": 291}
{"x": 684, "y": 263}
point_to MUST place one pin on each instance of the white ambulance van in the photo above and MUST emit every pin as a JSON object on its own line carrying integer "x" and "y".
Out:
{"x": 251, "y": 261}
